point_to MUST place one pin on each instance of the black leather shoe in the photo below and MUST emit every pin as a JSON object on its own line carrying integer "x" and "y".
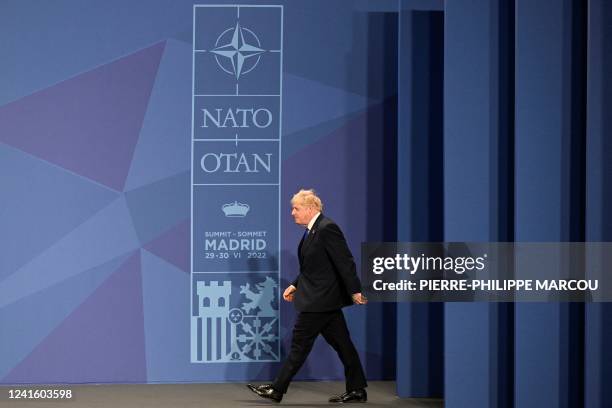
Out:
{"x": 266, "y": 391}
{"x": 262, "y": 387}
{"x": 352, "y": 396}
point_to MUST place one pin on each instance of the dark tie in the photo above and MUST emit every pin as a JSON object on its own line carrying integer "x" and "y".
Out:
{"x": 305, "y": 234}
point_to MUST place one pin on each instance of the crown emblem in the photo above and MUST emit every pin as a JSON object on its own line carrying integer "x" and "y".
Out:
{"x": 235, "y": 209}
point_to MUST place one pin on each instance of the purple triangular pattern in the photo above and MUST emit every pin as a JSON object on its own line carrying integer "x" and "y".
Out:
{"x": 101, "y": 341}
{"x": 88, "y": 124}
{"x": 173, "y": 245}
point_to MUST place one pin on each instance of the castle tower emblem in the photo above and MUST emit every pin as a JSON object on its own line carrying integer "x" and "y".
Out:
{"x": 236, "y": 326}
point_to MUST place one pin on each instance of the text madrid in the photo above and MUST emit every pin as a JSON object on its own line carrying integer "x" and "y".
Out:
{"x": 235, "y": 244}
{"x": 487, "y": 285}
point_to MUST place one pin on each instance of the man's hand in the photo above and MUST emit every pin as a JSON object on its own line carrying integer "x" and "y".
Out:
{"x": 288, "y": 293}
{"x": 359, "y": 299}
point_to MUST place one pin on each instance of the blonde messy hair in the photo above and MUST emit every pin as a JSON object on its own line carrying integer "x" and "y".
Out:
{"x": 307, "y": 198}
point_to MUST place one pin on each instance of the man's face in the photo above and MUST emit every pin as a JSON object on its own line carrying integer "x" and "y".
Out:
{"x": 302, "y": 214}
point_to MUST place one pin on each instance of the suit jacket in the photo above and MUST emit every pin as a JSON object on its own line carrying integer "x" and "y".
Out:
{"x": 328, "y": 275}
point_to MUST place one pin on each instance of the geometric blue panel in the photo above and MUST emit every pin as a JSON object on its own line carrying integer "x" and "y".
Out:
{"x": 166, "y": 322}
{"x": 27, "y": 321}
{"x": 164, "y": 142}
{"x": 159, "y": 206}
{"x": 325, "y": 103}
{"x": 63, "y": 29}
{"x": 106, "y": 235}
{"x": 41, "y": 203}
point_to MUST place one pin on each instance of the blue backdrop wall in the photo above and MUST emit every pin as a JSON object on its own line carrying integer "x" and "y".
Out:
{"x": 95, "y": 139}
{"x": 416, "y": 120}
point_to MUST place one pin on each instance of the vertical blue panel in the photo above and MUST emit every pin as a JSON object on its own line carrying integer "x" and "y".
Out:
{"x": 420, "y": 189}
{"x": 598, "y": 325}
{"x": 549, "y": 190}
{"x": 381, "y": 164}
{"x": 477, "y": 189}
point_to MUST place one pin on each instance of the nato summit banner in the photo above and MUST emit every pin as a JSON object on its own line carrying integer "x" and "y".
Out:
{"x": 140, "y": 181}
{"x": 235, "y": 194}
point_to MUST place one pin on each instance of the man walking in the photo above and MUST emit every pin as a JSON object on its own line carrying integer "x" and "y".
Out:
{"x": 326, "y": 283}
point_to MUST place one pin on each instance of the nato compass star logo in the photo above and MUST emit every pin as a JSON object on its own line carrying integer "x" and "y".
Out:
{"x": 236, "y": 49}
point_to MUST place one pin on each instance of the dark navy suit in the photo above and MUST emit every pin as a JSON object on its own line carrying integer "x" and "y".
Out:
{"x": 327, "y": 279}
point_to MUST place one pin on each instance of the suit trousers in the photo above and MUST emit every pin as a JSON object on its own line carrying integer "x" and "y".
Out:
{"x": 333, "y": 328}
